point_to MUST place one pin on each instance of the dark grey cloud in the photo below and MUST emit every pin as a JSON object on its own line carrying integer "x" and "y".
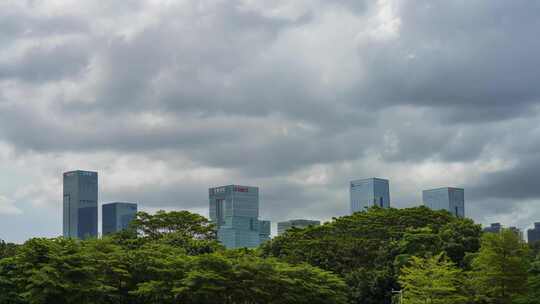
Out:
{"x": 22, "y": 24}
{"x": 516, "y": 183}
{"x": 42, "y": 64}
{"x": 475, "y": 62}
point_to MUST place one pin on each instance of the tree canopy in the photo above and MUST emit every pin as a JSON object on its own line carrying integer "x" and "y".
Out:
{"x": 368, "y": 248}
{"x": 158, "y": 264}
{"x": 174, "y": 257}
{"x": 432, "y": 280}
{"x": 500, "y": 268}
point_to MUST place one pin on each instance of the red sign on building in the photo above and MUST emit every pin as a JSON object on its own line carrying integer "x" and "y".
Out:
{"x": 240, "y": 189}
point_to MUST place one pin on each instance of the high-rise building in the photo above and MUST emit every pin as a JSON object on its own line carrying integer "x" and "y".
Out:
{"x": 517, "y": 231}
{"x": 299, "y": 223}
{"x": 533, "y": 235}
{"x": 264, "y": 230}
{"x": 493, "y": 228}
{"x": 450, "y": 199}
{"x": 117, "y": 216}
{"x": 369, "y": 192}
{"x": 497, "y": 228}
{"x": 235, "y": 211}
{"x": 80, "y": 206}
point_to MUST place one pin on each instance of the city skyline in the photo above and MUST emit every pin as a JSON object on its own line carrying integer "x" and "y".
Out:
{"x": 299, "y": 97}
{"x": 80, "y": 188}
{"x": 234, "y": 209}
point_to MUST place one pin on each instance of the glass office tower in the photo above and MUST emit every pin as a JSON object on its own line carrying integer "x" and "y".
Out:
{"x": 235, "y": 211}
{"x": 369, "y": 192}
{"x": 264, "y": 230}
{"x": 533, "y": 235}
{"x": 450, "y": 199}
{"x": 493, "y": 228}
{"x": 80, "y": 206}
{"x": 117, "y": 216}
{"x": 284, "y": 226}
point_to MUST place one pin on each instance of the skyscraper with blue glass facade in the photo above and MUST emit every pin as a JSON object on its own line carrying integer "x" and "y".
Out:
{"x": 533, "y": 235}
{"x": 447, "y": 198}
{"x": 117, "y": 216}
{"x": 369, "y": 192}
{"x": 264, "y": 230}
{"x": 234, "y": 210}
{"x": 493, "y": 228}
{"x": 80, "y": 204}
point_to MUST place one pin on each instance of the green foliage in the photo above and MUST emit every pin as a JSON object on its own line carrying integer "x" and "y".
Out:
{"x": 226, "y": 279}
{"x": 533, "y": 283}
{"x": 167, "y": 261}
{"x": 7, "y": 249}
{"x": 433, "y": 280}
{"x": 368, "y": 248}
{"x": 68, "y": 271}
{"x": 181, "y": 229}
{"x": 535, "y": 249}
{"x": 500, "y": 269}
{"x": 184, "y": 223}
{"x": 174, "y": 257}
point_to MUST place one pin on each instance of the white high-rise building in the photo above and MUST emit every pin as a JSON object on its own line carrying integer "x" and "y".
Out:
{"x": 369, "y": 192}
{"x": 447, "y": 198}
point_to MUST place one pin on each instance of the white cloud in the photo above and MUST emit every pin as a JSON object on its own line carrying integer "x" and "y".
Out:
{"x": 7, "y": 207}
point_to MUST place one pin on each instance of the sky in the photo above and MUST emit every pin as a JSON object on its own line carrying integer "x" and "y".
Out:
{"x": 168, "y": 98}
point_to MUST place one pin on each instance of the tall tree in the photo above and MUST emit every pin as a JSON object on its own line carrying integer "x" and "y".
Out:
{"x": 534, "y": 282}
{"x": 180, "y": 222}
{"x": 533, "y": 294}
{"x": 432, "y": 280}
{"x": 500, "y": 268}
{"x": 192, "y": 232}
{"x": 7, "y": 249}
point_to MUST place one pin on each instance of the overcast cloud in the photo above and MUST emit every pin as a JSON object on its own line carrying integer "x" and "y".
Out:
{"x": 167, "y": 98}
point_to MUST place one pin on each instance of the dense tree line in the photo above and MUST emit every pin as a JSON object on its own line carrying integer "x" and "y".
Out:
{"x": 367, "y": 249}
{"x": 165, "y": 258}
{"x": 432, "y": 256}
{"x": 173, "y": 257}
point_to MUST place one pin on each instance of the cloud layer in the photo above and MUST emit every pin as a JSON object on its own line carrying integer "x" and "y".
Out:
{"x": 168, "y": 98}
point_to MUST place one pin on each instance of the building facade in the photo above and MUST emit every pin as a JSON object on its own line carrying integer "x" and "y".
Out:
{"x": 117, "y": 216}
{"x": 299, "y": 223}
{"x": 234, "y": 210}
{"x": 517, "y": 232}
{"x": 265, "y": 228}
{"x": 493, "y": 228}
{"x": 450, "y": 199}
{"x": 365, "y": 193}
{"x": 80, "y": 204}
{"x": 533, "y": 235}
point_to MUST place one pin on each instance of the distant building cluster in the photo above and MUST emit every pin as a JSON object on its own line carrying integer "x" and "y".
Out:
{"x": 533, "y": 234}
{"x": 80, "y": 208}
{"x": 234, "y": 209}
{"x": 369, "y": 192}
